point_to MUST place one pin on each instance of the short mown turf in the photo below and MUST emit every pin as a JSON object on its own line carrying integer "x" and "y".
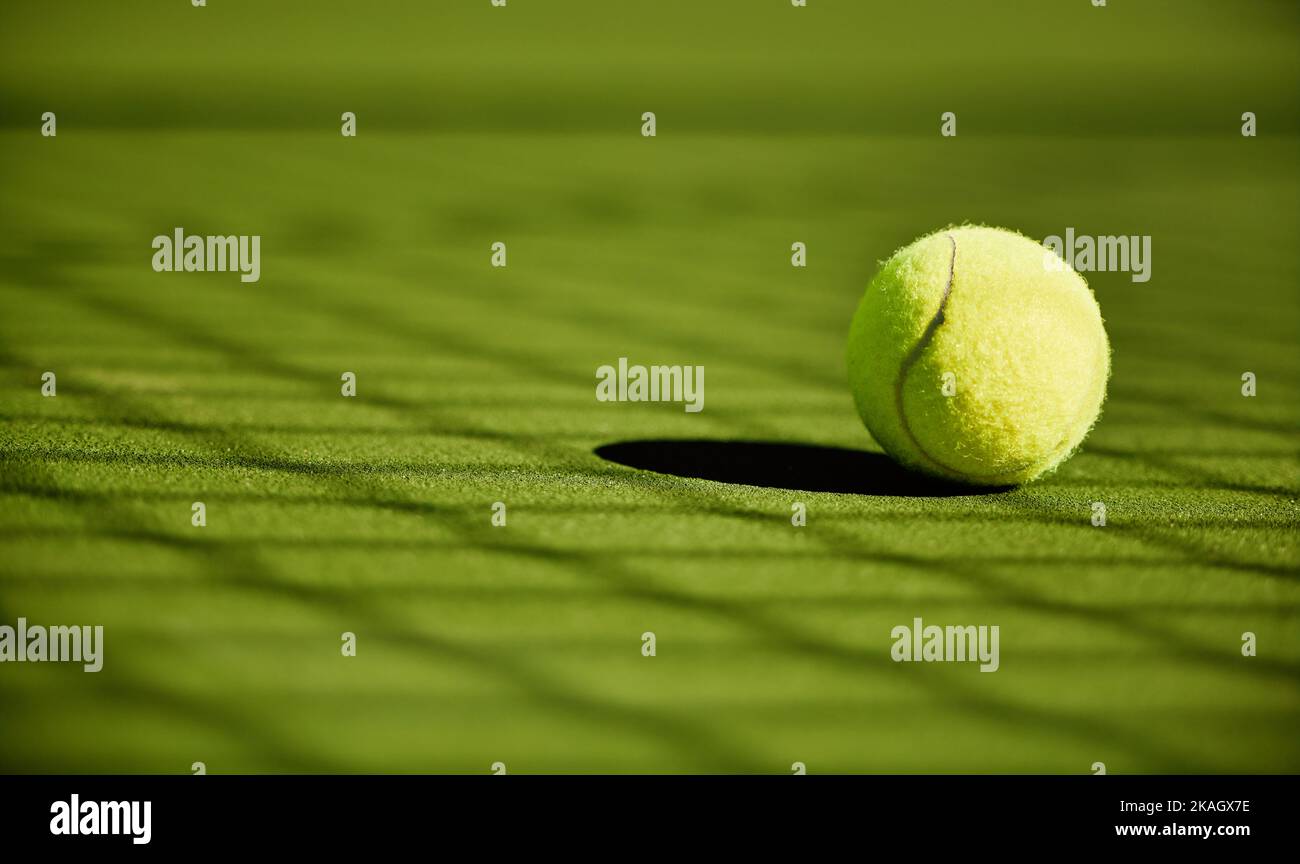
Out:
{"x": 522, "y": 644}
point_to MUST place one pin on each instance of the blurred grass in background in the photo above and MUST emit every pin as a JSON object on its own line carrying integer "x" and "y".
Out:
{"x": 1061, "y": 67}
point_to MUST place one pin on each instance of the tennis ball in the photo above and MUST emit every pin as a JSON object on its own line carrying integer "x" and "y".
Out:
{"x": 978, "y": 356}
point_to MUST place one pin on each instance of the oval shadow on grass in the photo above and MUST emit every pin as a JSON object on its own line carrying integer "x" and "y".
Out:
{"x": 802, "y": 467}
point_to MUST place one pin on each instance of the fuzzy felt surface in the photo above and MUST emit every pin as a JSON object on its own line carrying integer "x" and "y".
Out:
{"x": 971, "y": 359}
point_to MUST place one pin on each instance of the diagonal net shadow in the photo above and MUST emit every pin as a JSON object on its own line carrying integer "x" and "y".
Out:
{"x": 801, "y": 467}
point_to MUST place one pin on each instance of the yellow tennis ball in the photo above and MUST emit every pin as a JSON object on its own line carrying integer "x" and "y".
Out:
{"x": 978, "y": 356}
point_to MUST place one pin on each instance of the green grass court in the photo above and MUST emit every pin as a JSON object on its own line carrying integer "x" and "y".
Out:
{"x": 475, "y": 384}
